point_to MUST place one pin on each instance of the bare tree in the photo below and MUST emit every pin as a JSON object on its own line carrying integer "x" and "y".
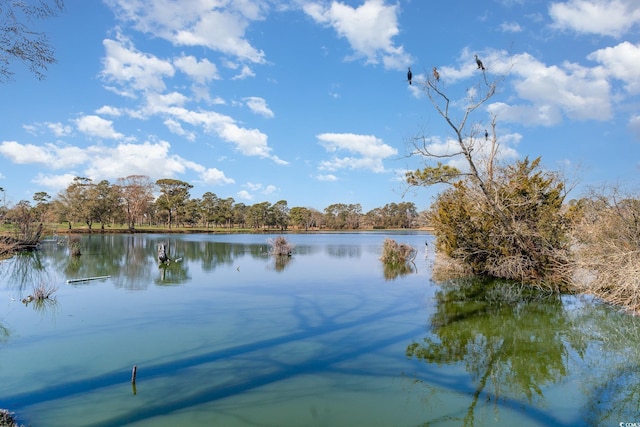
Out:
{"x": 19, "y": 41}
{"x": 136, "y": 192}
{"x": 502, "y": 220}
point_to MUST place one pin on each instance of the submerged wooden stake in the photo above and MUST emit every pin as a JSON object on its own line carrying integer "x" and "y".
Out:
{"x": 134, "y": 372}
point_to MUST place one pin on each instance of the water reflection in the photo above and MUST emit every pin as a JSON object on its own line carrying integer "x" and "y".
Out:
{"x": 393, "y": 271}
{"x": 516, "y": 343}
{"x": 512, "y": 341}
{"x": 25, "y": 270}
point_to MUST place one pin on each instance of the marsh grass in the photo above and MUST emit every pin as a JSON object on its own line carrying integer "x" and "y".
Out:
{"x": 607, "y": 249}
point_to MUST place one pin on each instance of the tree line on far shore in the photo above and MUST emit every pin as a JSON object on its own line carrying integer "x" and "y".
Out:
{"x": 138, "y": 201}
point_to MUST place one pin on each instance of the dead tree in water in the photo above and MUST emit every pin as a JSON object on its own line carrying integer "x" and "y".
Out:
{"x": 280, "y": 246}
{"x": 162, "y": 254}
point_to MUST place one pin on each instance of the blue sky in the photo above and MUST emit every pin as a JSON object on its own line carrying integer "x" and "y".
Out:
{"x": 307, "y": 101}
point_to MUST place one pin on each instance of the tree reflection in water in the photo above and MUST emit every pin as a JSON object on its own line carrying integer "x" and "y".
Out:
{"x": 512, "y": 341}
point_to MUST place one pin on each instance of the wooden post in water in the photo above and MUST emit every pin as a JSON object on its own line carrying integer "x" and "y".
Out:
{"x": 134, "y": 372}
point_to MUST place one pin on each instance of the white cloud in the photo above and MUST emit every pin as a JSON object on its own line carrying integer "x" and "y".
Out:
{"x": 259, "y": 106}
{"x": 54, "y": 182}
{"x": 220, "y": 26}
{"x": 369, "y": 29}
{"x": 270, "y": 189}
{"x": 151, "y": 158}
{"x": 97, "y": 126}
{"x": 108, "y": 110}
{"x": 253, "y": 186}
{"x": 213, "y": 176}
{"x": 245, "y": 72}
{"x": 603, "y": 17}
{"x": 510, "y": 27}
{"x": 549, "y": 93}
{"x": 58, "y": 129}
{"x": 176, "y": 128}
{"x": 244, "y": 195}
{"x": 621, "y": 62}
{"x": 249, "y": 142}
{"x": 634, "y": 126}
{"x": 51, "y": 155}
{"x": 326, "y": 177}
{"x": 371, "y": 150}
{"x": 481, "y": 150}
{"x": 200, "y": 71}
{"x": 133, "y": 70}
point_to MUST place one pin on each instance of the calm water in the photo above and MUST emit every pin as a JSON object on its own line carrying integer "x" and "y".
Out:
{"x": 228, "y": 336}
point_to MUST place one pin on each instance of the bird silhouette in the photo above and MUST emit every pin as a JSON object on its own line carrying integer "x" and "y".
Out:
{"x": 409, "y": 75}
{"x": 480, "y": 65}
{"x": 436, "y": 74}
{"x": 486, "y": 135}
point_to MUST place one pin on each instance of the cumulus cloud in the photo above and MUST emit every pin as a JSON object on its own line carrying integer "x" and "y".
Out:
{"x": 548, "y": 93}
{"x": 220, "y": 26}
{"x": 259, "y": 106}
{"x": 244, "y": 195}
{"x": 603, "y": 17}
{"x": 369, "y": 151}
{"x": 621, "y": 62}
{"x": 201, "y": 71}
{"x": 54, "y": 156}
{"x": 213, "y": 176}
{"x": 134, "y": 70}
{"x": 54, "y": 182}
{"x": 151, "y": 158}
{"x": 368, "y": 28}
{"x": 97, "y": 126}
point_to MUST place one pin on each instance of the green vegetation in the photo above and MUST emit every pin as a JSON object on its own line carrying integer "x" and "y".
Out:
{"x": 130, "y": 205}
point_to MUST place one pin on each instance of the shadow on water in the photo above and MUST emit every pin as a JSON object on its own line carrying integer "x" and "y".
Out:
{"x": 277, "y": 371}
{"x": 516, "y": 342}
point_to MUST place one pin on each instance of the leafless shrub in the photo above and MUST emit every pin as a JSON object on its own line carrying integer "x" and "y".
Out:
{"x": 280, "y": 246}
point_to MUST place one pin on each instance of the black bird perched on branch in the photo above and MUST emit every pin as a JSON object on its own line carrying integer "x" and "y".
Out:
{"x": 480, "y": 65}
{"x": 409, "y": 75}
{"x": 486, "y": 135}
{"x": 436, "y": 74}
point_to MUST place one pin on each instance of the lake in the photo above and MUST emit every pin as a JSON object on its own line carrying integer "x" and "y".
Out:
{"x": 229, "y": 336}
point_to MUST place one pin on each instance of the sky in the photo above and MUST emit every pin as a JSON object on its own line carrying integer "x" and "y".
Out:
{"x": 308, "y": 101}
